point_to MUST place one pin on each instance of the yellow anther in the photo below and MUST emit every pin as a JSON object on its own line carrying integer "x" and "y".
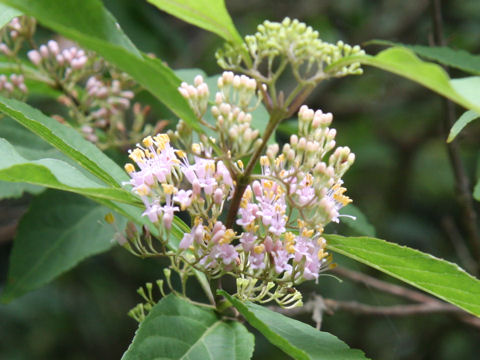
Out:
{"x": 339, "y": 197}
{"x": 247, "y": 195}
{"x": 301, "y": 223}
{"x": 240, "y": 164}
{"x": 307, "y": 233}
{"x": 268, "y": 184}
{"x": 264, "y": 161}
{"x": 148, "y": 154}
{"x": 259, "y": 249}
{"x": 196, "y": 148}
{"x": 308, "y": 180}
{"x": 198, "y": 220}
{"x": 169, "y": 189}
{"x": 143, "y": 190}
{"x": 290, "y": 248}
{"x": 148, "y": 141}
{"x": 279, "y": 160}
{"x": 289, "y": 236}
{"x": 109, "y": 218}
{"x": 129, "y": 168}
{"x": 227, "y": 237}
{"x": 252, "y": 227}
{"x": 137, "y": 155}
{"x": 181, "y": 154}
{"x": 322, "y": 254}
{"x": 161, "y": 140}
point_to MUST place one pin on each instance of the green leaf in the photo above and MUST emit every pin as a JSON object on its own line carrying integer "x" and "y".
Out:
{"x": 360, "y": 225}
{"x": 7, "y": 14}
{"x": 58, "y": 231}
{"x": 459, "y": 59}
{"x": 177, "y": 329}
{"x": 15, "y": 190}
{"x": 92, "y": 26}
{"x": 426, "y": 272}
{"x": 211, "y": 15}
{"x": 55, "y": 174}
{"x": 466, "y": 118}
{"x": 469, "y": 88}
{"x": 297, "y": 339}
{"x": 65, "y": 139}
{"x": 405, "y": 63}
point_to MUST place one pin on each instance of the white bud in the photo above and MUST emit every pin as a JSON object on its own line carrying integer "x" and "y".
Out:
{"x": 198, "y": 80}
{"x": 53, "y": 47}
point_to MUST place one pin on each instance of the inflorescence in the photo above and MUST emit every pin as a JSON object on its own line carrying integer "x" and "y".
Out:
{"x": 276, "y": 242}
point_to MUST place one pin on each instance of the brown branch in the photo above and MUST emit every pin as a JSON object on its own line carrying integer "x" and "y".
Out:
{"x": 394, "y": 310}
{"x": 462, "y": 181}
{"x": 244, "y": 179}
{"x": 383, "y": 285}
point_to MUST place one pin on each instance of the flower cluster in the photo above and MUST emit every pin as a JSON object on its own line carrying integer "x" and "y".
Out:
{"x": 13, "y": 86}
{"x": 64, "y": 63}
{"x": 98, "y": 97}
{"x": 277, "y": 242}
{"x": 15, "y": 33}
{"x": 292, "y": 42}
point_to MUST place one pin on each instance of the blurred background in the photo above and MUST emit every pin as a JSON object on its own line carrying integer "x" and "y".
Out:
{"x": 402, "y": 181}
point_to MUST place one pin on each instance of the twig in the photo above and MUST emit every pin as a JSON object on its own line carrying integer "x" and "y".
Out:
{"x": 462, "y": 182}
{"x": 394, "y": 310}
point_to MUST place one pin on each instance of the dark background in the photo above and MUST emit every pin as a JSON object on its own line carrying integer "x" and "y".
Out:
{"x": 402, "y": 180}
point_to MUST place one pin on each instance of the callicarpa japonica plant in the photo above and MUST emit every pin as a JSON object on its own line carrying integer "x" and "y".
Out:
{"x": 233, "y": 190}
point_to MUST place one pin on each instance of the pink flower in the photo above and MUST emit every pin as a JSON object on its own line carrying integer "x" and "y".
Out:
{"x": 184, "y": 198}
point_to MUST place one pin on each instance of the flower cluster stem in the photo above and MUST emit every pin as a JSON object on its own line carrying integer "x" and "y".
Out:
{"x": 276, "y": 116}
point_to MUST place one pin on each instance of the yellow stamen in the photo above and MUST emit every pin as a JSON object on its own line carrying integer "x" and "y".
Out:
{"x": 109, "y": 218}
{"x": 240, "y": 164}
{"x": 196, "y": 148}
{"x": 227, "y": 237}
{"x": 169, "y": 189}
{"x": 307, "y": 233}
{"x": 143, "y": 190}
{"x": 259, "y": 249}
{"x": 264, "y": 161}
{"x": 148, "y": 141}
{"x": 129, "y": 168}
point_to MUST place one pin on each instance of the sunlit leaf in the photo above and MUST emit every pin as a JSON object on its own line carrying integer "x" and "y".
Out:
{"x": 404, "y": 62}
{"x": 466, "y": 118}
{"x": 6, "y": 14}
{"x": 211, "y": 15}
{"x": 54, "y": 174}
{"x": 459, "y": 59}
{"x": 436, "y": 276}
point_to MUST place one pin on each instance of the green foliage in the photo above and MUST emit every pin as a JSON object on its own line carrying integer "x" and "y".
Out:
{"x": 92, "y": 26}
{"x": 58, "y": 232}
{"x": 56, "y": 174}
{"x": 210, "y": 15}
{"x": 177, "y": 329}
{"x": 405, "y": 63}
{"x": 459, "y": 59}
{"x": 466, "y": 118}
{"x": 299, "y": 340}
{"x": 7, "y": 14}
{"x": 426, "y": 272}
{"x": 360, "y": 225}
{"x": 65, "y": 139}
